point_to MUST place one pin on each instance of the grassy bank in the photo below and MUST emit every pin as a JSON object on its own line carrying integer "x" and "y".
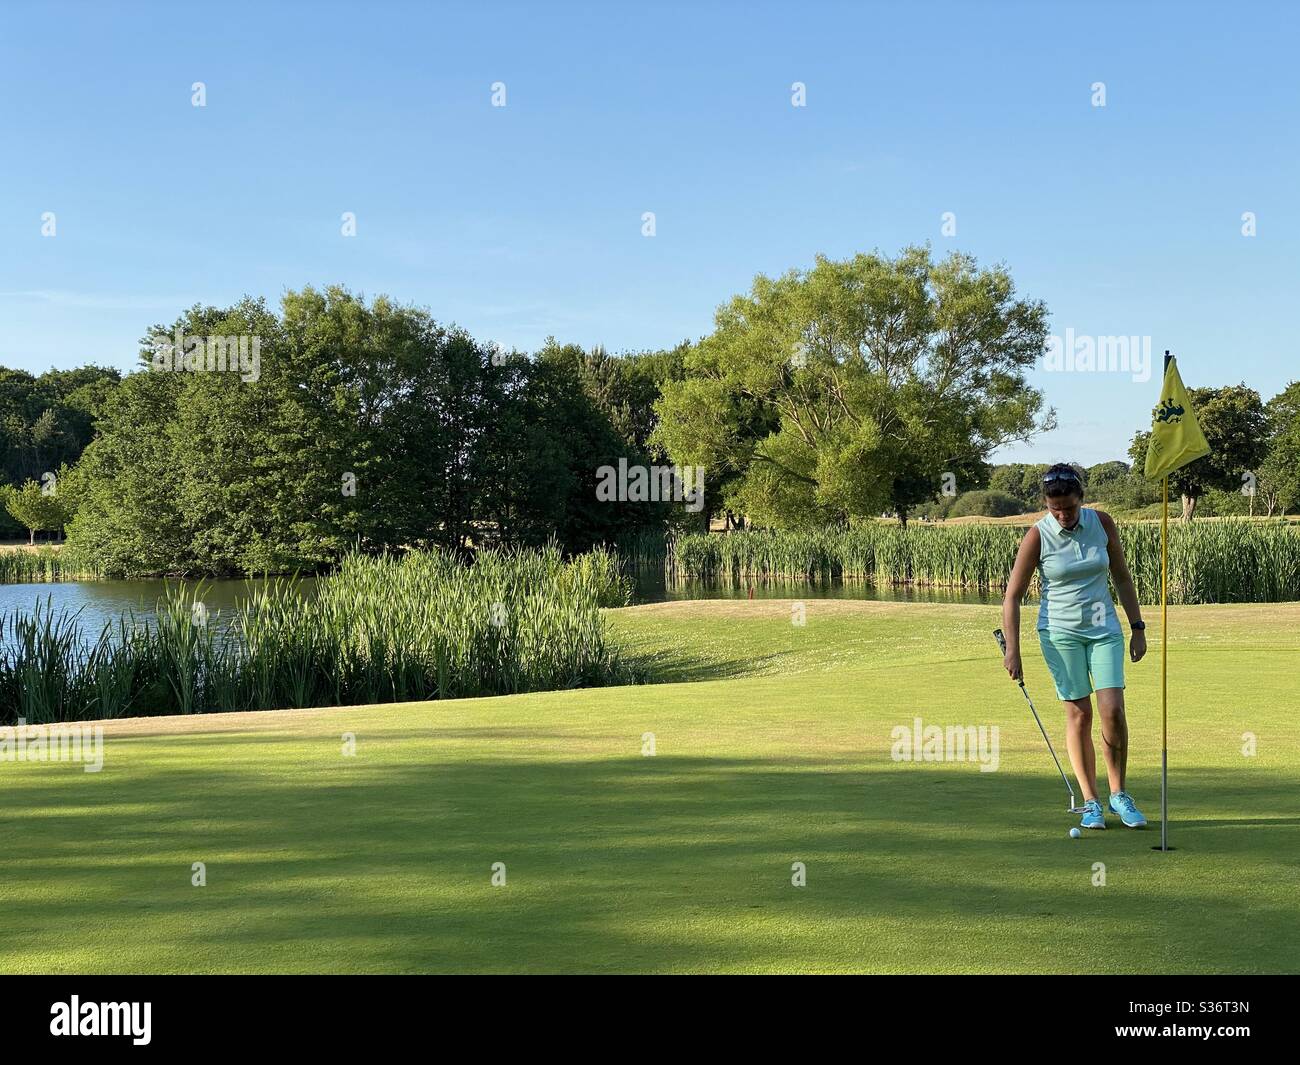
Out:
{"x": 780, "y": 751}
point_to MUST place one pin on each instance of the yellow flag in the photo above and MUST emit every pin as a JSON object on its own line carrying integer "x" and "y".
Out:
{"x": 1176, "y": 438}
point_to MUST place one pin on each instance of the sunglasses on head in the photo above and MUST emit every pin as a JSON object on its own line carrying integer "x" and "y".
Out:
{"x": 1049, "y": 478}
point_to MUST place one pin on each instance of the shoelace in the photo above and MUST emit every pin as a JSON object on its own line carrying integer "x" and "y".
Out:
{"x": 1123, "y": 799}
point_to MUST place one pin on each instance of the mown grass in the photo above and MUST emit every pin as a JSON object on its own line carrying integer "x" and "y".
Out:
{"x": 778, "y": 752}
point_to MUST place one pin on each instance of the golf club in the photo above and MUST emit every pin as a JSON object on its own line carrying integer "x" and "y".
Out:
{"x": 1073, "y": 808}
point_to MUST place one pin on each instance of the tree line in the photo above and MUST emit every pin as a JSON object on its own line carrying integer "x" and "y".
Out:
{"x": 868, "y": 386}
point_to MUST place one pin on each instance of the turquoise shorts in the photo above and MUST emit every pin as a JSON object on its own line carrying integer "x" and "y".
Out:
{"x": 1073, "y": 659}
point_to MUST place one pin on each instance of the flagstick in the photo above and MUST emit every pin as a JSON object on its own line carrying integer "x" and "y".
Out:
{"x": 1164, "y": 672}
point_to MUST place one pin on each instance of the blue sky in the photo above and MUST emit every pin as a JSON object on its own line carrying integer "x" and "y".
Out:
{"x": 525, "y": 221}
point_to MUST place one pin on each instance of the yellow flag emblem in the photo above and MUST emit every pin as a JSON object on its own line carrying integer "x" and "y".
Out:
{"x": 1176, "y": 437}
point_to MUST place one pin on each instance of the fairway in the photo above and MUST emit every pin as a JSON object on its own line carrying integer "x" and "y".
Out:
{"x": 772, "y": 746}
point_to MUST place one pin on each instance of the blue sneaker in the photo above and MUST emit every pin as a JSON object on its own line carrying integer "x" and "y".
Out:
{"x": 1093, "y": 817}
{"x": 1128, "y": 812}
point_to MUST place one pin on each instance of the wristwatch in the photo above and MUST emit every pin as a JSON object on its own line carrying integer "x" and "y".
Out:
{"x": 1138, "y": 626}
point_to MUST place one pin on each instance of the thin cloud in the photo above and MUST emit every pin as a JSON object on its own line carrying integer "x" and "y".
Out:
{"x": 97, "y": 301}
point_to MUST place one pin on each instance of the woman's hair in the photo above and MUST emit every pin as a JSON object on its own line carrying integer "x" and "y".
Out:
{"x": 1062, "y": 480}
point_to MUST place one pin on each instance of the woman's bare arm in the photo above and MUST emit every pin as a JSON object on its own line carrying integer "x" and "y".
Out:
{"x": 1017, "y": 584}
{"x": 1124, "y": 587}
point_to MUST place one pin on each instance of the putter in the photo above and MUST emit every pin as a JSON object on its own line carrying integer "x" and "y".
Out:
{"x": 1073, "y": 808}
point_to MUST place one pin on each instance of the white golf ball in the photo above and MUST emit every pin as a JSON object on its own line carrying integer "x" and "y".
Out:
{"x": 1075, "y": 833}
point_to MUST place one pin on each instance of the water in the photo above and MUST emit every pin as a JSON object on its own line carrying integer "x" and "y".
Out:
{"x": 101, "y": 602}
{"x": 649, "y": 589}
{"x": 106, "y": 601}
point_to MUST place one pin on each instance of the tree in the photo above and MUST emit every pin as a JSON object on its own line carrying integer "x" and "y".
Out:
{"x": 366, "y": 424}
{"x": 35, "y": 506}
{"x": 1278, "y": 482}
{"x": 854, "y": 387}
{"x": 986, "y": 503}
{"x": 626, "y": 387}
{"x": 47, "y": 421}
{"x": 1020, "y": 481}
{"x": 1236, "y": 428}
{"x": 1106, "y": 479}
{"x": 541, "y": 463}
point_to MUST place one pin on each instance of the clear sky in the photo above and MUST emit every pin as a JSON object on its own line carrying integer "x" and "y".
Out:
{"x": 524, "y": 221}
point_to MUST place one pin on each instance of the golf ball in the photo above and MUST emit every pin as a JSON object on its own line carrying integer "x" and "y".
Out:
{"x": 1075, "y": 833}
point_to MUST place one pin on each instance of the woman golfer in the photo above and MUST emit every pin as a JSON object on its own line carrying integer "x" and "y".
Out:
{"x": 1073, "y": 548}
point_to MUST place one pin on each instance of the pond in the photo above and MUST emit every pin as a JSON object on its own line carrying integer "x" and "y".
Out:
{"x": 101, "y": 602}
{"x": 652, "y": 590}
{"x": 104, "y": 601}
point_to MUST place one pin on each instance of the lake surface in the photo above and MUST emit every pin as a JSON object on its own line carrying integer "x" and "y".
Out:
{"x": 659, "y": 591}
{"x": 107, "y": 600}
{"x": 103, "y": 601}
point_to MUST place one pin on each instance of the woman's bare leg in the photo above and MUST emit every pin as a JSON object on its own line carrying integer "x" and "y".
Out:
{"x": 1114, "y": 735}
{"x": 1078, "y": 741}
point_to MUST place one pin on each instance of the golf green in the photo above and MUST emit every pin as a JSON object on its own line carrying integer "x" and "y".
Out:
{"x": 775, "y": 743}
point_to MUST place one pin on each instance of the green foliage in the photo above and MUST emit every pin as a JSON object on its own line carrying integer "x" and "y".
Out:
{"x": 935, "y": 509}
{"x": 368, "y": 424}
{"x": 43, "y": 564}
{"x": 37, "y": 507}
{"x": 541, "y": 457}
{"x": 1224, "y": 561}
{"x": 1120, "y": 487}
{"x": 47, "y": 421}
{"x": 1278, "y": 484}
{"x": 985, "y": 503}
{"x": 625, "y": 389}
{"x": 381, "y": 629}
{"x": 1020, "y": 481}
{"x": 1236, "y": 428}
{"x": 852, "y": 388}
{"x": 1110, "y": 481}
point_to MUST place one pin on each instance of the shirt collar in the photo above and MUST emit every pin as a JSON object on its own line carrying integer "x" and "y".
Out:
{"x": 1057, "y": 527}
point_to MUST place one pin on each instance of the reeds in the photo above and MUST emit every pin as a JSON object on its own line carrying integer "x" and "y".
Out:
{"x": 19, "y": 566}
{"x": 1228, "y": 561}
{"x": 380, "y": 629}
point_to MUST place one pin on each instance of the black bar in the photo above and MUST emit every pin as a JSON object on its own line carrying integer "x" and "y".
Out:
{"x": 358, "y": 1013}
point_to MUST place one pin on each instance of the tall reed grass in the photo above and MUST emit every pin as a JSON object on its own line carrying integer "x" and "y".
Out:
{"x": 1228, "y": 561}
{"x": 20, "y": 566}
{"x": 380, "y": 629}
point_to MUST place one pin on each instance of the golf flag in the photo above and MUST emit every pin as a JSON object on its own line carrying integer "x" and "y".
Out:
{"x": 1176, "y": 437}
{"x": 1176, "y": 440}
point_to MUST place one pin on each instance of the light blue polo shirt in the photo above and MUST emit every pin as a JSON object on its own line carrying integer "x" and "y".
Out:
{"x": 1073, "y": 572}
